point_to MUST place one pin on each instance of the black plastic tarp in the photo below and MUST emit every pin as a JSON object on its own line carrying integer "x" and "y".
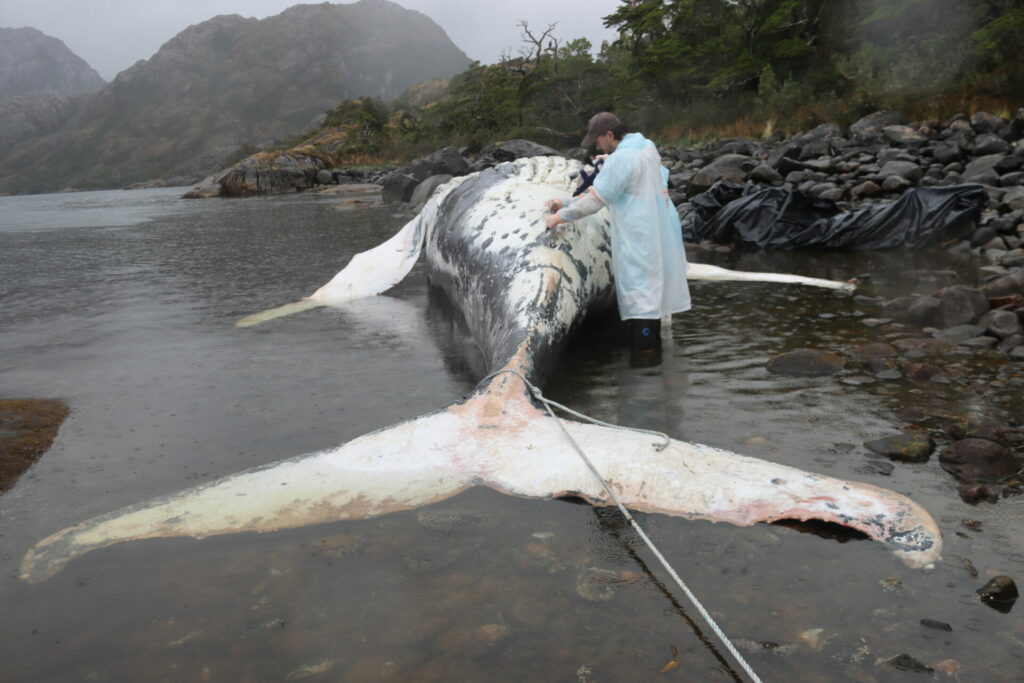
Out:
{"x": 774, "y": 218}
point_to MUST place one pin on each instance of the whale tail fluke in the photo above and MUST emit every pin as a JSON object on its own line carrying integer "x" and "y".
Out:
{"x": 498, "y": 438}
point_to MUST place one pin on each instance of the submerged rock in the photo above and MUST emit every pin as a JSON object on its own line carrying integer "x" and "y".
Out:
{"x": 1000, "y": 592}
{"x": 912, "y": 447}
{"x": 806, "y": 363}
{"x": 979, "y": 460}
{"x": 904, "y": 662}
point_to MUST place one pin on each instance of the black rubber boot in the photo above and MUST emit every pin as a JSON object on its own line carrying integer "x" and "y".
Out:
{"x": 644, "y": 335}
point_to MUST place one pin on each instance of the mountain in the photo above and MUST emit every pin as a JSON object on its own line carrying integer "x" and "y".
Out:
{"x": 232, "y": 82}
{"x": 33, "y": 62}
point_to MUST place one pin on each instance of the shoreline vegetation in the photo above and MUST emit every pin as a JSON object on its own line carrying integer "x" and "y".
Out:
{"x": 691, "y": 73}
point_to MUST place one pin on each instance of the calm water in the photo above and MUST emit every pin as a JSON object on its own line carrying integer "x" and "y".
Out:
{"x": 123, "y": 304}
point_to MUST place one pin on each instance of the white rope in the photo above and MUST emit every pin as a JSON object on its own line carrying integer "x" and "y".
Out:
{"x": 535, "y": 392}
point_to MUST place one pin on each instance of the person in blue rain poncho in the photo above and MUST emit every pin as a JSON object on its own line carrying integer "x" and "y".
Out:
{"x": 648, "y": 260}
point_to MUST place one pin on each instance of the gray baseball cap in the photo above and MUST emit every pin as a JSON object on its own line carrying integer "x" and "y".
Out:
{"x": 599, "y": 125}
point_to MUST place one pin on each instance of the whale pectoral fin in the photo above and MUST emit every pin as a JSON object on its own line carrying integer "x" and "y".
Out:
{"x": 704, "y": 271}
{"x": 394, "y": 469}
{"x": 700, "y": 482}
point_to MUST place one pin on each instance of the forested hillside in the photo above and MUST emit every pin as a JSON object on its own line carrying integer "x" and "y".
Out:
{"x": 699, "y": 69}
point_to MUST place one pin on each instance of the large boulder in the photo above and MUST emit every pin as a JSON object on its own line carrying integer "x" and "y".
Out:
{"x": 868, "y": 130}
{"x": 979, "y": 460}
{"x": 960, "y": 305}
{"x": 1007, "y": 285}
{"x": 734, "y": 168}
{"x": 446, "y": 161}
{"x": 983, "y": 122}
{"x": 398, "y": 186}
{"x": 511, "y": 150}
{"x": 425, "y": 189}
{"x": 1001, "y": 323}
{"x": 907, "y": 170}
{"x": 277, "y": 174}
{"x": 982, "y": 170}
{"x": 990, "y": 144}
{"x": 903, "y": 136}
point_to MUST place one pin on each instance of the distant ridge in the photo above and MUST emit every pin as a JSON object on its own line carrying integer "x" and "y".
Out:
{"x": 33, "y": 62}
{"x": 231, "y": 82}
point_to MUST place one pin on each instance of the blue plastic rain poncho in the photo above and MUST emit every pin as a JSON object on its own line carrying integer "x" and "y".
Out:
{"x": 648, "y": 259}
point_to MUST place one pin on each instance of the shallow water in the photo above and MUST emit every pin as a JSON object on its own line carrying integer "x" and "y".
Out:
{"x": 124, "y": 303}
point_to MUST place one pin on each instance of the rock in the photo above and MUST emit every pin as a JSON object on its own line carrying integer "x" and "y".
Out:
{"x": 937, "y": 625}
{"x": 596, "y": 585}
{"x": 826, "y": 131}
{"x": 445, "y": 161}
{"x": 979, "y": 460}
{"x": 866, "y": 189}
{"x": 1013, "y": 199}
{"x": 925, "y": 345}
{"x": 806, "y": 363}
{"x": 1001, "y": 323}
{"x": 734, "y": 168}
{"x": 398, "y": 186}
{"x": 982, "y": 235}
{"x": 958, "y": 334}
{"x": 204, "y": 190}
{"x": 904, "y": 662}
{"x": 903, "y": 136}
{"x": 947, "y": 154}
{"x": 787, "y": 166}
{"x": 990, "y": 144}
{"x": 982, "y": 170}
{"x": 1009, "y": 164}
{"x": 1000, "y": 589}
{"x": 895, "y": 183}
{"x": 977, "y": 343}
{"x": 519, "y": 149}
{"x": 975, "y": 493}
{"x": 923, "y": 311}
{"x": 1010, "y": 343}
{"x": 874, "y": 350}
{"x": 324, "y": 177}
{"x": 911, "y": 447}
{"x": 1005, "y": 286}
{"x": 757, "y": 647}
{"x": 983, "y": 122}
{"x": 960, "y": 304}
{"x": 815, "y": 149}
{"x": 904, "y": 169}
{"x": 266, "y": 174}
{"x": 787, "y": 151}
{"x": 425, "y": 189}
{"x": 922, "y": 372}
{"x": 765, "y": 174}
{"x": 868, "y": 130}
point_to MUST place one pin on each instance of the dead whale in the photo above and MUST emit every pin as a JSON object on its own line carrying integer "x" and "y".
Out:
{"x": 522, "y": 290}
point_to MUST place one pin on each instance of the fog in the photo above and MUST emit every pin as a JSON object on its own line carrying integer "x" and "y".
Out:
{"x": 111, "y": 35}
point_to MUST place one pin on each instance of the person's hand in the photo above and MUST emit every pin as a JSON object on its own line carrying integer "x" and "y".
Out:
{"x": 553, "y": 205}
{"x": 553, "y": 220}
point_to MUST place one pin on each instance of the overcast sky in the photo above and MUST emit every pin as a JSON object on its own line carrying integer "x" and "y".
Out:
{"x": 111, "y": 35}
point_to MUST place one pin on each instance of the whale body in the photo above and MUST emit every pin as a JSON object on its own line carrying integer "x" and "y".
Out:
{"x": 523, "y": 290}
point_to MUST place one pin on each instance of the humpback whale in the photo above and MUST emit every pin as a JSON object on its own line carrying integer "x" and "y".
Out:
{"x": 523, "y": 290}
